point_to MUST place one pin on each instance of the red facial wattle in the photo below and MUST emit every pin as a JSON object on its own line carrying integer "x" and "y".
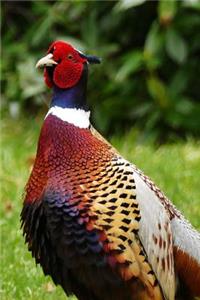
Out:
{"x": 67, "y": 74}
{"x": 47, "y": 79}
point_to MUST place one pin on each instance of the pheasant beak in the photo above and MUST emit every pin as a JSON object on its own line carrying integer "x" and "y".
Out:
{"x": 46, "y": 61}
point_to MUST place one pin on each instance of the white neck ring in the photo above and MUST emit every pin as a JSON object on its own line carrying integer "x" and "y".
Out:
{"x": 76, "y": 116}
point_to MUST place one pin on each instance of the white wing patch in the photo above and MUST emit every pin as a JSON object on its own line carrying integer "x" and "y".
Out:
{"x": 185, "y": 237}
{"x": 75, "y": 116}
{"x": 156, "y": 236}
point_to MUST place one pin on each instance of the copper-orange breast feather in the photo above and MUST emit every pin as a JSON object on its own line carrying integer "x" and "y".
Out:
{"x": 94, "y": 222}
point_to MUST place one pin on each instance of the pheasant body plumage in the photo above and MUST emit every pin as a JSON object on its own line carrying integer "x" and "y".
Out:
{"x": 92, "y": 220}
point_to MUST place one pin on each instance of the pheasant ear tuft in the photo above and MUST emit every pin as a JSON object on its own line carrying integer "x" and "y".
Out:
{"x": 91, "y": 59}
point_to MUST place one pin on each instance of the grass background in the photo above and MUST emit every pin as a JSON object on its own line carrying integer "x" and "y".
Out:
{"x": 175, "y": 169}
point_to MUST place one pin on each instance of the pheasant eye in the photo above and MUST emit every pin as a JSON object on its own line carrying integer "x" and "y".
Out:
{"x": 70, "y": 56}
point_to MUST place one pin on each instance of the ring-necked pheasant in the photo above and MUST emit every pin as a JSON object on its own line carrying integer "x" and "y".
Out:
{"x": 92, "y": 220}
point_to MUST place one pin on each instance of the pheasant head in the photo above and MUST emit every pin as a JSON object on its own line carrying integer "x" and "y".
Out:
{"x": 64, "y": 65}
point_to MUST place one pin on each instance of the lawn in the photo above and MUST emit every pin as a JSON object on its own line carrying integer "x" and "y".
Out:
{"x": 175, "y": 169}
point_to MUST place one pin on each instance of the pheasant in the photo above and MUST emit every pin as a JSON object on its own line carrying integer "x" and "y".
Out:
{"x": 94, "y": 222}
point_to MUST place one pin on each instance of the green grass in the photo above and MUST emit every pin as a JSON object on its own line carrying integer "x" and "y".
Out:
{"x": 175, "y": 168}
